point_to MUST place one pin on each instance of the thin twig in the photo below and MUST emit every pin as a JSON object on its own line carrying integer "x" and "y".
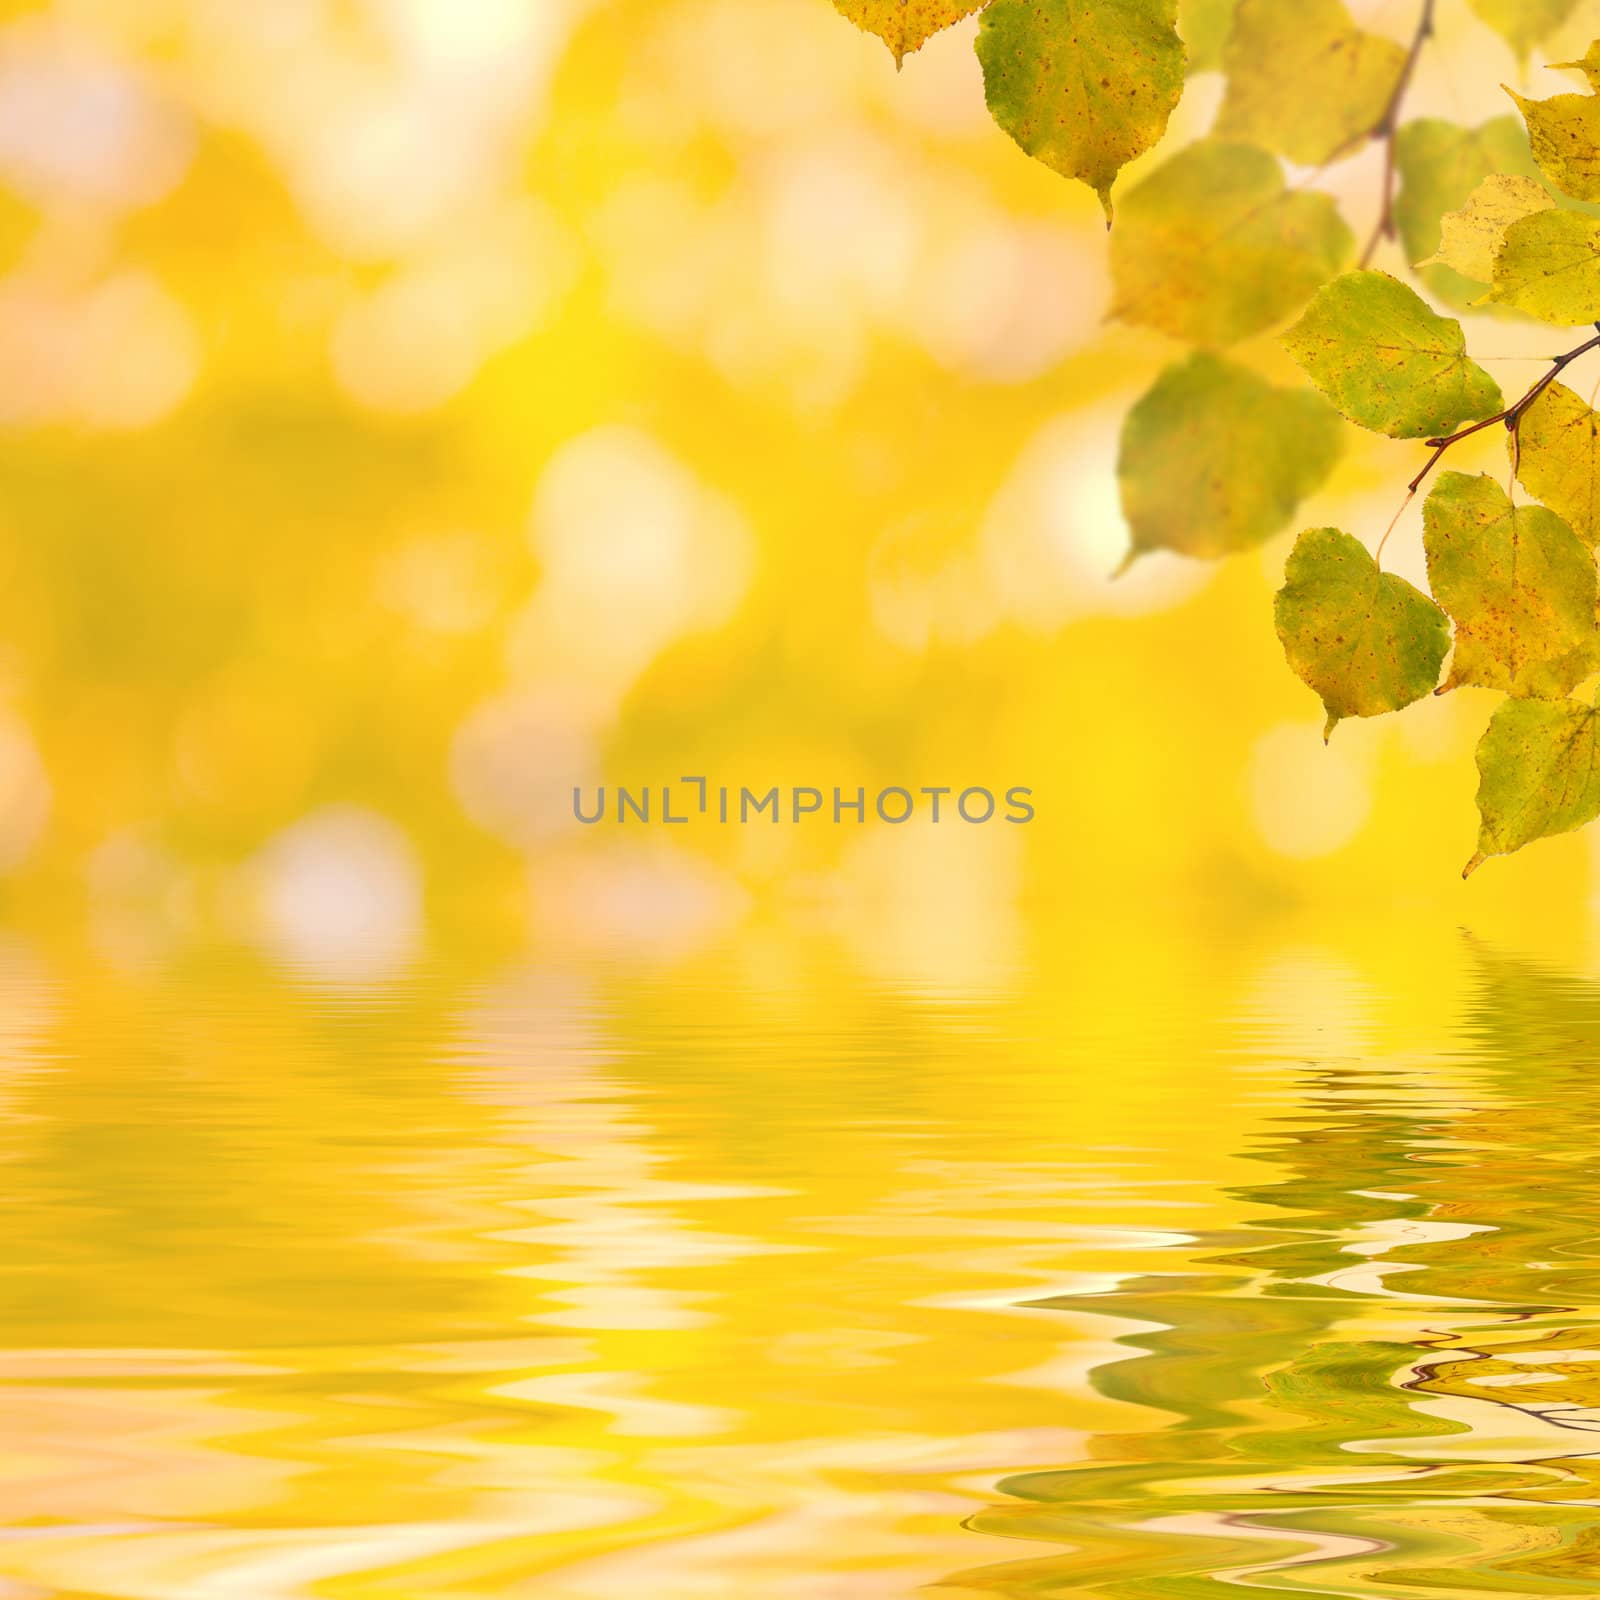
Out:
{"x": 1388, "y": 130}
{"x": 1377, "y": 555}
{"x": 1512, "y": 415}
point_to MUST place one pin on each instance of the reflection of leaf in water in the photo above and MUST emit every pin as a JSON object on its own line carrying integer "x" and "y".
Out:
{"x": 1349, "y": 1432}
{"x": 1521, "y": 1166}
{"x": 1348, "y": 1148}
{"x": 1347, "y": 1392}
{"x": 1202, "y": 1362}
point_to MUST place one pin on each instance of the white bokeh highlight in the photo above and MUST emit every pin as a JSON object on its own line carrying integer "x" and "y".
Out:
{"x": 340, "y": 893}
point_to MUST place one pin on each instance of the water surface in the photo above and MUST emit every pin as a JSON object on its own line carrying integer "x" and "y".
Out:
{"x": 1163, "y": 1273}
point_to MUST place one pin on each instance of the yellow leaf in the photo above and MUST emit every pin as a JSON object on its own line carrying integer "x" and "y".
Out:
{"x": 1304, "y": 80}
{"x": 1520, "y": 585}
{"x": 1538, "y": 774}
{"x": 1213, "y": 247}
{"x": 1204, "y": 25}
{"x": 1556, "y": 451}
{"x": 906, "y": 25}
{"x": 1366, "y": 641}
{"x": 1548, "y": 265}
{"x": 1589, "y": 66}
{"x": 1374, "y": 347}
{"x": 1565, "y": 134}
{"x": 1215, "y": 459}
{"x": 1082, "y": 85}
{"x": 1440, "y": 164}
{"x": 1469, "y": 238}
{"x": 1524, "y": 23}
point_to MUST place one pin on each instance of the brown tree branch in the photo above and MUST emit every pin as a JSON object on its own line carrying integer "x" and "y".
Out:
{"x": 1512, "y": 415}
{"x": 1388, "y": 130}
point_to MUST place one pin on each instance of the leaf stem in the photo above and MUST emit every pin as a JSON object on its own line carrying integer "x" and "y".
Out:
{"x": 1388, "y": 129}
{"x": 1512, "y": 415}
{"x": 1377, "y": 555}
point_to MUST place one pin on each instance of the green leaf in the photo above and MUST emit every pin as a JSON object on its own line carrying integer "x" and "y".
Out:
{"x": 1212, "y": 247}
{"x": 1439, "y": 166}
{"x": 1304, "y": 80}
{"x": 1556, "y": 451}
{"x": 1215, "y": 459}
{"x": 1470, "y": 237}
{"x": 1083, "y": 85}
{"x": 1565, "y": 134}
{"x": 1366, "y": 641}
{"x": 1387, "y": 361}
{"x": 1549, "y": 266}
{"x": 1523, "y": 23}
{"x": 1520, "y": 585}
{"x": 1204, "y": 26}
{"x": 1538, "y": 774}
{"x": 906, "y": 25}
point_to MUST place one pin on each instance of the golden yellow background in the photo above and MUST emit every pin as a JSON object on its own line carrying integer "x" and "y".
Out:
{"x": 413, "y": 408}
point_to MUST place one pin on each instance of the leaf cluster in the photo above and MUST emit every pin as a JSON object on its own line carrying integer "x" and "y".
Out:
{"x": 1228, "y": 240}
{"x": 1513, "y": 582}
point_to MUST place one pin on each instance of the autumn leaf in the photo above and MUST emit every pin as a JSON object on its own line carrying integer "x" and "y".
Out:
{"x": 1565, "y": 134}
{"x": 1387, "y": 361}
{"x": 1304, "y": 80}
{"x": 1366, "y": 641}
{"x": 1548, "y": 265}
{"x": 1589, "y": 66}
{"x": 906, "y": 25}
{"x": 1556, "y": 452}
{"x": 1524, "y": 23}
{"x": 1083, "y": 85}
{"x": 1439, "y": 166}
{"x": 1215, "y": 459}
{"x": 1469, "y": 238}
{"x": 1212, "y": 247}
{"x": 1520, "y": 585}
{"x": 1204, "y": 26}
{"x": 1538, "y": 774}
{"x": 1215, "y": 246}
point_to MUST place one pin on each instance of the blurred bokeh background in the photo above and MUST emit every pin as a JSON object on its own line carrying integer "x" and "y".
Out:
{"x": 414, "y": 408}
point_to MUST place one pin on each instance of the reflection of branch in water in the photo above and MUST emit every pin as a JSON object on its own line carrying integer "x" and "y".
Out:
{"x": 1433, "y": 1378}
{"x": 1274, "y": 1396}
